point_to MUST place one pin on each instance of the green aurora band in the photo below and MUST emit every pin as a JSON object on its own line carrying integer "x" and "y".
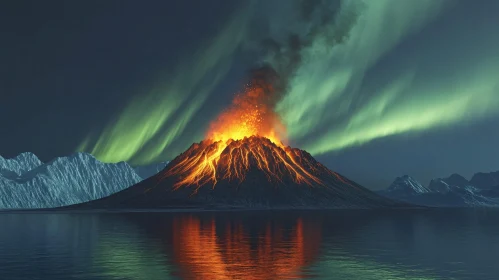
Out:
{"x": 327, "y": 90}
{"x": 330, "y": 96}
{"x": 152, "y": 122}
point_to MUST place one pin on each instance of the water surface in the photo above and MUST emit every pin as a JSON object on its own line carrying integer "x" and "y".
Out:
{"x": 358, "y": 244}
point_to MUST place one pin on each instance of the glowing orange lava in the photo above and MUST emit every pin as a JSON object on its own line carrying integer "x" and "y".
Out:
{"x": 248, "y": 134}
{"x": 251, "y": 114}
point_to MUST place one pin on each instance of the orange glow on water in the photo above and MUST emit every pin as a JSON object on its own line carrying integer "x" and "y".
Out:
{"x": 203, "y": 251}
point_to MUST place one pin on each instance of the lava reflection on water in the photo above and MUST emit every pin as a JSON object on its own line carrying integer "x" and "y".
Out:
{"x": 209, "y": 249}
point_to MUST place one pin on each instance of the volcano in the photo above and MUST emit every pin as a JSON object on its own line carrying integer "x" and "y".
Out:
{"x": 244, "y": 163}
{"x": 252, "y": 172}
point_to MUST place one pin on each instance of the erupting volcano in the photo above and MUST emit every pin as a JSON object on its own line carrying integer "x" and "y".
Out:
{"x": 245, "y": 162}
{"x": 246, "y": 136}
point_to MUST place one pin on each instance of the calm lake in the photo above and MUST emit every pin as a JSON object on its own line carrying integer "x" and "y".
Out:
{"x": 356, "y": 244}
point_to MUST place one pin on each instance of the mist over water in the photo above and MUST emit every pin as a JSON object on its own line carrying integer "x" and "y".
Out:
{"x": 423, "y": 244}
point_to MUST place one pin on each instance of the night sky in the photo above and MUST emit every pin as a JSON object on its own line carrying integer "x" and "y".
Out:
{"x": 375, "y": 89}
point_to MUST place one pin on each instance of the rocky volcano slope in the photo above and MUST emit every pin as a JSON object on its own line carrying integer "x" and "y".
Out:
{"x": 253, "y": 172}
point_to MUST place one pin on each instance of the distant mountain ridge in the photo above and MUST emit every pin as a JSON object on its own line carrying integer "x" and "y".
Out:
{"x": 485, "y": 180}
{"x": 452, "y": 191}
{"x": 26, "y": 182}
{"x": 406, "y": 185}
{"x": 22, "y": 163}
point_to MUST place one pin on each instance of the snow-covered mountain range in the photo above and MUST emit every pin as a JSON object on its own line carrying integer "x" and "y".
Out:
{"x": 26, "y": 182}
{"x": 454, "y": 191}
{"x": 22, "y": 163}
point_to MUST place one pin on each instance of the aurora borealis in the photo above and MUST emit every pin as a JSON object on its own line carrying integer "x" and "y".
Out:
{"x": 408, "y": 101}
{"x": 410, "y": 87}
{"x": 149, "y": 124}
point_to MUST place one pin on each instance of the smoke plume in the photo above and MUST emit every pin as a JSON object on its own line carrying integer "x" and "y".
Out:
{"x": 283, "y": 47}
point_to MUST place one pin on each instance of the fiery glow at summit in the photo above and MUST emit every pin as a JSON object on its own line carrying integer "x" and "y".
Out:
{"x": 248, "y": 135}
{"x": 250, "y": 114}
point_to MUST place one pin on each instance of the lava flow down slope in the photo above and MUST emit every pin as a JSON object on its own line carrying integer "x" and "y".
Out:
{"x": 243, "y": 162}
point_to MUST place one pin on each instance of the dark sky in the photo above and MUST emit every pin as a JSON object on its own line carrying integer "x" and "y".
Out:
{"x": 412, "y": 87}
